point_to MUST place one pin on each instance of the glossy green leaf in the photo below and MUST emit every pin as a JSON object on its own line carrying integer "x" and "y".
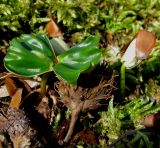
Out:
{"x": 32, "y": 55}
{"x": 66, "y": 73}
{"x": 78, "y": 59}
{"x": 29, "y": 55}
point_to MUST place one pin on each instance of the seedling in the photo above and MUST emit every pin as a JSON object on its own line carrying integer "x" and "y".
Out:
{"x": 139, "y": 49}
{"x": 32, "y": 55}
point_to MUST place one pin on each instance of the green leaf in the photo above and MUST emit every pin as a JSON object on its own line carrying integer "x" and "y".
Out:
{"x": 29, "y": 55}
{"x": 66, "y": 73}
{"x": 32, "y": 55}
{"x": 78, "y": 59}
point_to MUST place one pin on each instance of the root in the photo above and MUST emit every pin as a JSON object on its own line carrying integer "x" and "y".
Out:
{"x": 74, "y": 117}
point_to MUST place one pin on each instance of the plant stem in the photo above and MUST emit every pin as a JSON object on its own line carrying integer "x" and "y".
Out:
{"x": 43, "y": 84}
{"x": 74, "y": 116}
{"x": 122, "y": 81}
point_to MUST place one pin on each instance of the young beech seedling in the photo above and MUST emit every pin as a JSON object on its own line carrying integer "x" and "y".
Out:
{"x": 139, "y": 49}
{"x": 31, "y": 55}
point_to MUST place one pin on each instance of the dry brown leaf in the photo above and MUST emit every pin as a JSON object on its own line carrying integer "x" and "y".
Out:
{"x": 11, "y": 86}
{"x": 16, "y": 99}
{"x": 52, "y": 29}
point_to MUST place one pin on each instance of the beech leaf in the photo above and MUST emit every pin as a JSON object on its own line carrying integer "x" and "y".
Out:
{"x": 29, "y": 55}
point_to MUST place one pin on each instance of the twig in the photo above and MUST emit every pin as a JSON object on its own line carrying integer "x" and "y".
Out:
{"x": 128, "y": 133}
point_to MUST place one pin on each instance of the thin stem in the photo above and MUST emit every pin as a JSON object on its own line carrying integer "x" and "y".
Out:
{"x": 74, "y": 117}
{"x": 43, "y": 84}
{"x": 122, "y": 81}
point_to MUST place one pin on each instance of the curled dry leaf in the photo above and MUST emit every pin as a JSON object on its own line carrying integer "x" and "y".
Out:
{"x": 8, "y": 86}
{"x": 15, "y": 86}
{"x": 14, "y": 92}
{"x": 52, "y": 29}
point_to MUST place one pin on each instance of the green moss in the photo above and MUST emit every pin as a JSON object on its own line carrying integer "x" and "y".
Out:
{"x": 120, "y": 18}
{"x": 116, "y": 120}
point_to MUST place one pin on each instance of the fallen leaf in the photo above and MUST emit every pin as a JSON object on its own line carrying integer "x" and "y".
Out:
{"x": 16, "y": 99}
{"x": 14, "y": 92}
{"x": 11, "y": 86}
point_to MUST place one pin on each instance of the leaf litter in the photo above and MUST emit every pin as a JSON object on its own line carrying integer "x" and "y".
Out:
{"x": 24, "y": 100}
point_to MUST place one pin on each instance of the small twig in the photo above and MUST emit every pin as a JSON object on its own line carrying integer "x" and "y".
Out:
{"x": 128, "y": 133}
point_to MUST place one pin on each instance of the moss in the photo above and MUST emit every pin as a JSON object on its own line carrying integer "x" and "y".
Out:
{"x": 118, "y": 119}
